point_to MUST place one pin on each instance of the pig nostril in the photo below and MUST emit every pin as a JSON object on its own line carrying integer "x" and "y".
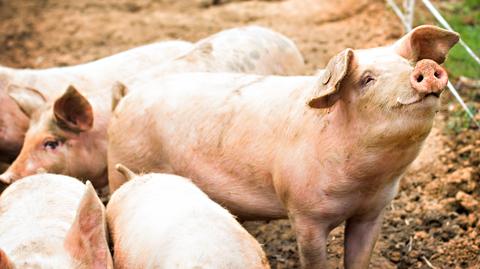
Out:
{"x": 420, "y": 78}
{"x": 436, "y": 74}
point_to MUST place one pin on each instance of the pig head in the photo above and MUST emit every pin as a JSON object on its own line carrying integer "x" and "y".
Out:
{"x": 46, "y": 222}
{"x": 62, "y": 138}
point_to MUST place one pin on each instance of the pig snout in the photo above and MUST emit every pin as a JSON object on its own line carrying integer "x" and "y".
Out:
{"x": 428, "y": 77}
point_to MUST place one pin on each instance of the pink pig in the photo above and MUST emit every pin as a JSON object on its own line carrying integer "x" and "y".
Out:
{"x": 52, "y": 221}
{"x": 165, "y": 221}
{"x": 64, "y": 138}
{"x": 319, "y": 150}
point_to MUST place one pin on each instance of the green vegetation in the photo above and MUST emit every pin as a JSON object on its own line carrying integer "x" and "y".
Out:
{"x": 464, "y": 18}
{"x": 458, "y": 120}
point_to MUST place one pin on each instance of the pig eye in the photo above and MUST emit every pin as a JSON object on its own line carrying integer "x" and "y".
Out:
{"x": 367, "y": 80}
{"x": 51, "y": 144}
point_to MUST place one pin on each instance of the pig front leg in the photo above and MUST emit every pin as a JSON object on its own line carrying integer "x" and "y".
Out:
{"x": 361, "y": 233}
{"x": 312, "y": 241}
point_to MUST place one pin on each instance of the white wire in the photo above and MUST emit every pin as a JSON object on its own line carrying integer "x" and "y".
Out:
{"x": 399, "y": 13}
{"x": 409, "y": 11}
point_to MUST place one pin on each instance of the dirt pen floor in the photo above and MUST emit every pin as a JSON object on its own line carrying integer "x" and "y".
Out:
{"x": 434, "y": 220}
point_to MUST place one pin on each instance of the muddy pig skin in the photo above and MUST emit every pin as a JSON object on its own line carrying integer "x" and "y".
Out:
{"x": 319, "y": 150}
{"x": 48, "y": 84}
{"x": 165, "y": 221}
{"x": 69, "y": 135}
{"x": 51, "y": 221}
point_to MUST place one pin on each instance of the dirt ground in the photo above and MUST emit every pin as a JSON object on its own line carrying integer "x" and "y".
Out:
{"x": 433, "y": 222}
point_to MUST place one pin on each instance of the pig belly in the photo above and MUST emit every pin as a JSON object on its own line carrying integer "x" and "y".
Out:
{"x": 246, "y": 197}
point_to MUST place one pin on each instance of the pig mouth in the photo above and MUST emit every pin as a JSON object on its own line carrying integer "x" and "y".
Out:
{"x": 417, "y": 98}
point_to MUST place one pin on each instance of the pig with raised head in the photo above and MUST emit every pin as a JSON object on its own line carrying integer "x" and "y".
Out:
{"x": 47, "y": 84}
{"x": 165, "y": 221}
{"x": 319, "y": 150}
{"x": 52, "y": 221}
{"x": 64, "y": 138}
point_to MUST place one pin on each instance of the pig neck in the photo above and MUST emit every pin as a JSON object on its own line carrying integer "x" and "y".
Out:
{"x": 371, "y": 151}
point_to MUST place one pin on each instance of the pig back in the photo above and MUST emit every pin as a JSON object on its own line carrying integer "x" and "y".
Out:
{"x": 36, "y": 213}
{"x": 164, "y": 221}
{"x": 251, "y": 49}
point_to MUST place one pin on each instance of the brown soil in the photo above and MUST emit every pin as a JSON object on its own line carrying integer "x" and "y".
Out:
{"x": 434, "y": 218}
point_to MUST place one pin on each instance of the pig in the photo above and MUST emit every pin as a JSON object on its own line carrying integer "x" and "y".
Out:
{"x": 46, "y": 84}
{"x": 63, "y": 137}
{"x": 52, "y": 221}
{"x": 319, "y": 150}
{"x": 165, "y": 221}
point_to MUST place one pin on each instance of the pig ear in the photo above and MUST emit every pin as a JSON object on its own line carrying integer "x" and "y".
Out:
{"x": 426, "y": 42}
{"x": 86, "y": 240}
{"x": 119, "y": 90}
{"x": 28, "y": 99}
{"x": 73, "y": 111}
{"x": 326, "y": 88}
